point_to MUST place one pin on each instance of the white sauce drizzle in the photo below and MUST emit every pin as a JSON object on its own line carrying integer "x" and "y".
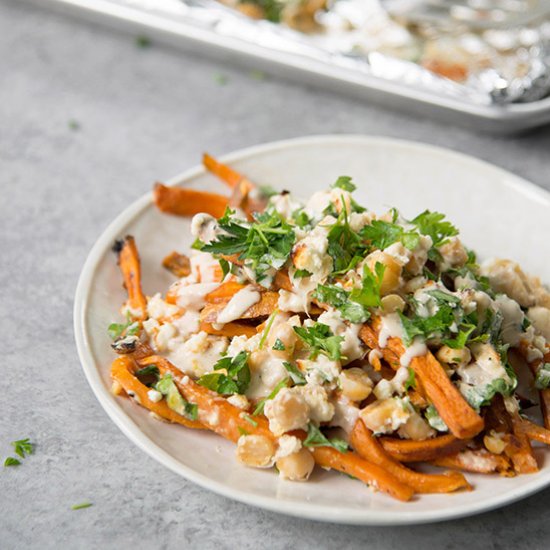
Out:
{"x": 391, "y": 328}
{"x": 416, "y": 349}
{"x": 192, "y": 296}
{"x": 244, "y": 299}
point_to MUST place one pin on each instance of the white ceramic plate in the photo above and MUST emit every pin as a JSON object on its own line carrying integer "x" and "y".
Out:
{"x": 499, "y": 214}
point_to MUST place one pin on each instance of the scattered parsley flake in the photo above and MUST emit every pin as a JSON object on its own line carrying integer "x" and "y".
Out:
{"x": 320, "y": 339}
{"x": 345, "y": 183}
{"x": 221, "y": 79}
{"x": 267, "y": 328}
{"x": 143, "y": 41}
{"x": 11, "y": 461}
{"x": 81, "y": 506}
{"x": 411, "y": 380}
{"x": 542, "y": 378}
{"x": 23, "y": 447}
{"x": 283, "y": 383}
{"x": 174, "y": 399}
{"x": 278, "y": 345}
{"x": 434, "y": 225}
{"x": 315, "y": 438}
{"x": 236, "y": 380}
{"x": 295, "y": 373}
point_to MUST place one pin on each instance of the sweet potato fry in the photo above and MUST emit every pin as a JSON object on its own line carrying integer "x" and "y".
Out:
{"x": 371, "y": 474}
{"x": 223, "y": 293}
{"x": 370, "y": 338}
{"x": 367, "y": 447}
{"x": 188, "y": 202}
{"x": 130, "y": 267}
{"x": 230, "y": 330}
{"x": 462, "y": 420}
{"x": 477, "y": 461}
{"x": 518, "y": 448}
{"x": 534, "y": 431}
{"x": 221, "y": 417}
{"x": 267, "y": 304}
{"x": 407, "y": 450}
{"x": 122, "y": 370}
{"x": 178, "y": 264}
{"x": 229, "y": 176}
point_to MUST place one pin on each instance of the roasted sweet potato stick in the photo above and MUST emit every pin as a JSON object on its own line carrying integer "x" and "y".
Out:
{"x": 534, "y": 431}
{"x": 477, "y": 461}
{"x": 367, "y": 447}
{"x": 225, "y": 173}
{"x": 407, "y": 450}
{"x": 519, "y": 449}
{"x": 267, "y": 304}
{"x": 224, "y": 292}
{"x": 225, "y": 419}
{"x": 462, "y": 420}
{"x": 230, "y": 330}
{"x": 351, "y": 464}
{"x": 178, "y": 264}
{"x": 188, "y": 202}
{"x": 129, "y": 263}
{"x": 122, "y": 370}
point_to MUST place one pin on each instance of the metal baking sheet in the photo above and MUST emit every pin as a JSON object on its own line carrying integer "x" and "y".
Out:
{"x": 166, "y": 22}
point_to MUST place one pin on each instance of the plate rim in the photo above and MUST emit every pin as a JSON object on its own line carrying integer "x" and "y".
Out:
{"x": 309, "y": 510}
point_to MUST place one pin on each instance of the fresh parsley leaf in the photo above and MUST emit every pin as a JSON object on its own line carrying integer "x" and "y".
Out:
{"x": 411, "y": 380}
{"x": 23, "y": 447}
{"x": 542, "y": 378}
{"x": 345, "y": 183}
{"x": 343, "y": 244}
{"x": 382, "y": 234}
{"x": 444, "y": 297}
{"x": 301, "y": 219}
{"x": 320, "y": 339}
{"x": 148, "y": 370}
{"x": 174, "y": 399}
{"x": 278, "y": 345}
{"x": 81, "y": 506}
{"x": 264, "y": 243}
{"x": 340, "y": 299}
{"x": 10, "y": 461}
{"x": 236, "y": 380}
{"x": 462, "y": 337}
{"x": 295, "y": 373}
{"x": 478, "y": 396}
{"x": 143, "y": 41}
{"x": 301, "y": 273}
{"x": 369, "y": 294}
{"x": 130, "y": 328}
{"x": 226, "y": 268}
{"x": 435, "y": 225}
{"x": 261, "y": 404}
{"x": 315, "y": 438}
{"x": 242, "y": 431}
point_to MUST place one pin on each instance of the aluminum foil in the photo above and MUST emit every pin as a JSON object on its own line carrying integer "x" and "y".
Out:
{"x": 449, "y": 56}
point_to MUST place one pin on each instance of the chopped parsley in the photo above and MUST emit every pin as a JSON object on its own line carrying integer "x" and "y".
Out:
{"x": 478, "y": 396}
{"x": 174, "y": 399}
{"x": 434, "y": 420}
{"x": 340, "y": 299}
{"x": 542, "y": 378}
{"x": 10, "y": 461}
{"x": 267, "y": 328}
{"x": 345, "y": 247}
{"x": 295, "y": 373}
{"x": 316, "y": 438}
{"x": 411, "y": 380}
{"x": 249, "y": 419}
{"x": 320, "y": 339}
{"x": 130, "y": 328}
{"x": 278, "y": 345}
{"x": 435, "y": 226}
{"x": 381, "y": 234}
{"x": 261, "y": 404}
{"x": 81, "y": 506}
{"x": 301, "y": 273}
{"x": 23, "y": 447}
{"x": 236, "y": 380}
{"x": 262, "y": 244}
{"x": 345, "y": 183}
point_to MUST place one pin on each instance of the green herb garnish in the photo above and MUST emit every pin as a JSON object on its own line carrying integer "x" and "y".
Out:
{"x": 81, "y": 506}
{"x": 236, "y": 380}
{"x": 315, "y": 438}
{"x": 345, "y": 183}
{"x": 434, "y": 225}
{"x": 278, "y": 345}
{"x": 10, "y": 461}
{"x": 23, "y": 447}
{"x": 174, "y": 399}
{"x": 320, "y": 339}
{"x": 295, "y": 373}
{"x": 261, "y": 404}
{"x": 542, "y": 378}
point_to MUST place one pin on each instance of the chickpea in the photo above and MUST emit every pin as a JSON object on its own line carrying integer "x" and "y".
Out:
{"x": 392, "y": 272}
{"x": 256, "y": 451}
{"x": 296, "y": 466}
{"x": 416, "y": 428}
{"x": 392, "y": 303}
{"x": 287, "y": 411}
{"x": 284, "y": 332}
{"x": 448, "y": 355}
{"x": 356, "y": 384}
{"x": 453, "y": 252}
{"x": 540, "y": 317}
{"x": 494, "y": 443}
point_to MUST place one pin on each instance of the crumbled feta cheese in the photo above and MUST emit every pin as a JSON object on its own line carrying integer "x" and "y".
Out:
{"x": 239, "y": 401}
{"x": 352, "y": 346}
{"x": 157, "y": 308}
{"x": 287, "y": 411}
{"x": 288, "y": 444}
{"x": 386, "y": 416}
{"x": 320, "y": 370}
{"x": 154, "y": 396}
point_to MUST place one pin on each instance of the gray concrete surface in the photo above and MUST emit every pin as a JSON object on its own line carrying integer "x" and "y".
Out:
{"x": 144, "y": 114}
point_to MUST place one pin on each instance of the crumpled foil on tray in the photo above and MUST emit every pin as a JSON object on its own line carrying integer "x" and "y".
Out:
{"x": 487, "y": 66}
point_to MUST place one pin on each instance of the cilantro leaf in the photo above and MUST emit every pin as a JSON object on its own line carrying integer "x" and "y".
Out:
{"x": 316, "y": 438}
{"x": 236, "y": 380}
{"x": 369, "y": 294}
{"x": 434, "y": 225}
{"x": 320, "y": 339}
{"x": 295, "y": 373}
{"x": 345, "y": 183}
